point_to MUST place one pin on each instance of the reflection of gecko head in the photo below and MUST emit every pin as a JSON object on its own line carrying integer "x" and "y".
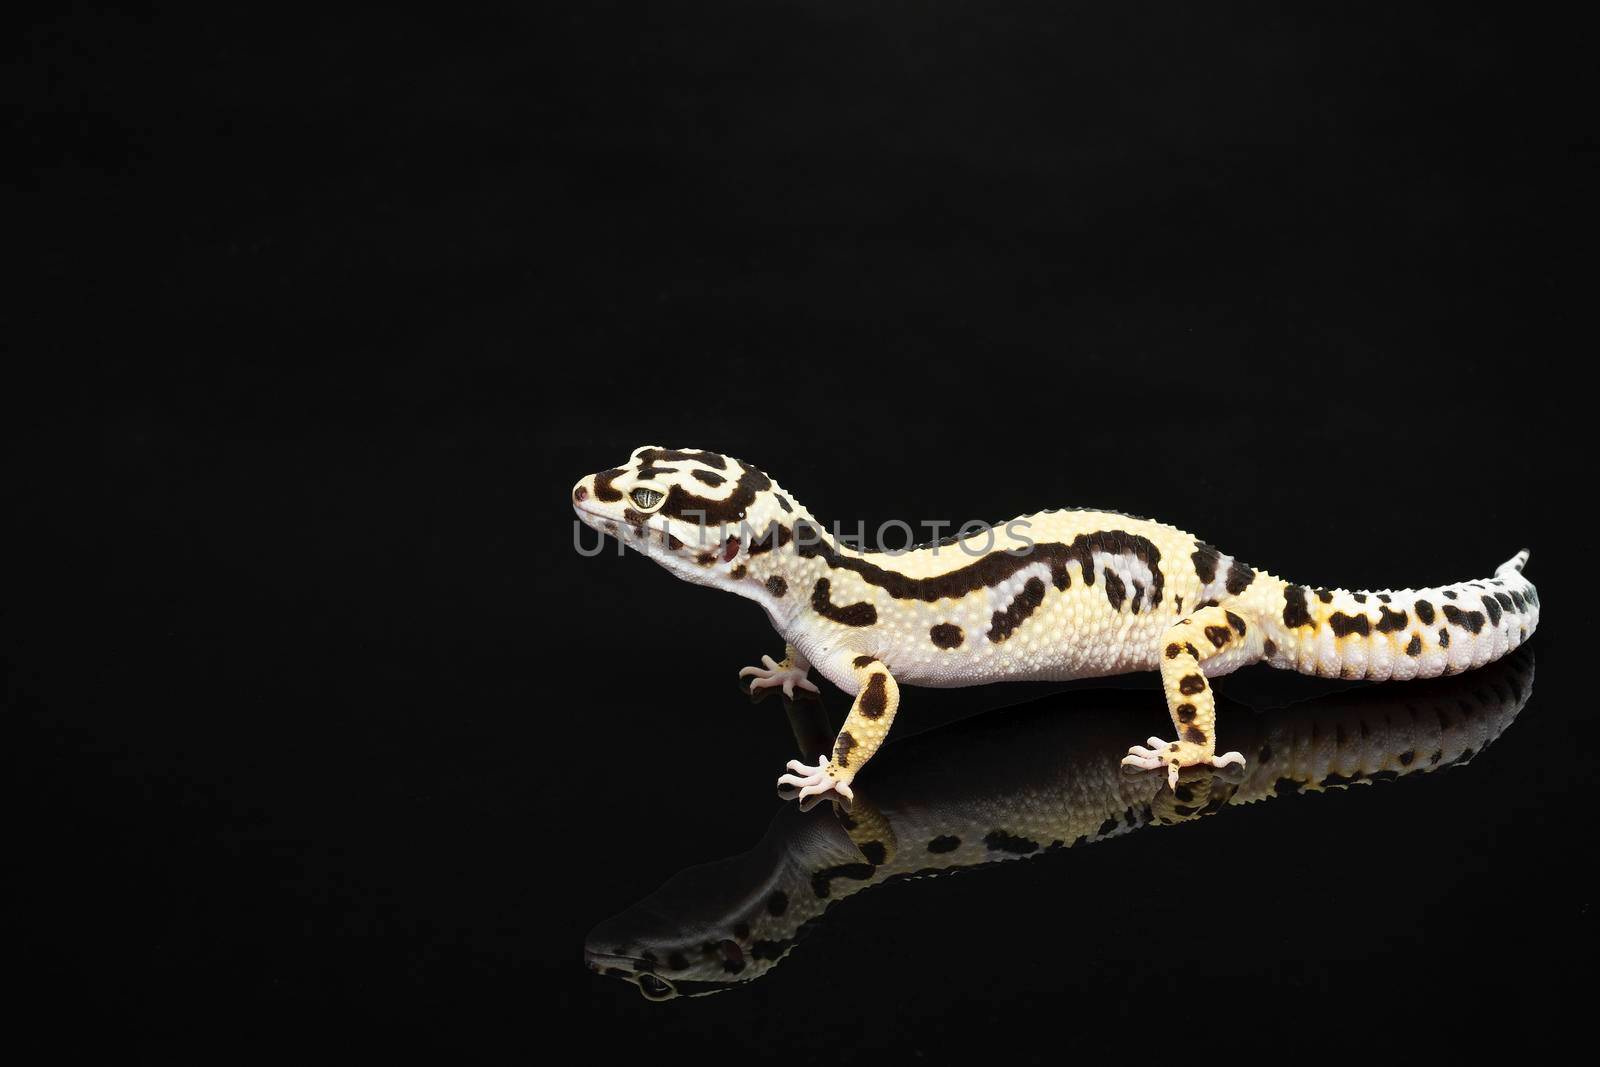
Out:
{"x": 720, "y": 923}
{"x": 1019, "y": 783}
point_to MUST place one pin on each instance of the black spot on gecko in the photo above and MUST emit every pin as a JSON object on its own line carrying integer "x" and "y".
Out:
{"x": 1191, "y": 684}
{"x": 1185, "y": 712}
{"x": 843, "y": 747}
{"x": 649, "y": 473}
{"x": 1343, "y": 625}
{"x": 1492, "y": 606}
{"x": 778, "y": 903}
{"x": 1000, "y": 841}
{"x": 1219, "y": 635}
{"x": 1235, "y": 622}
{"x": 856, "y": 872}
{"x": 777, "y": 586}
{"x": 1269, "y": 648}
{"x": 1390, "y": 620}
{"x": 1424, "y": 612}
{"x": 707, "y": 477}
{"x": 861, "y": 614}
{"x": 1414, "y": 648}
{"x": 1325, "y": 595}
{"x": 1407, "y": 757}
{"x": 777, "y": 536}
{"x": 862, "y": 661}
{"x": 1107, "y": 826}
{"x": 1194, "y": 735}
{"x": 1444, "y": 637}
{"x": 1468, "y": 620}
{"x": 1115, "y": 590}
{"x": 1059, "y": 576}
{"x": 1138, "y": 595}
{"x": 946, "y": 635}
{"x": 1239, "y": 578}
{"x": 874, "y": 853}
{"x": 1174, "y": 650}
{"x": 783, "y": 502}
{"x": 1195, "y": 652}
{"x": 944, "y": 843}
{"x": 737, "y": 573}
{"x": 1205, "y": 560}
{"x": 604, "y": 490}
{"x": 1004, "y": 623}
{"x": 1294, "y": 607}
{"x": 1449, "y": 594}
{"x": 1359, "y": 598}
{"x": 874, "y": 700}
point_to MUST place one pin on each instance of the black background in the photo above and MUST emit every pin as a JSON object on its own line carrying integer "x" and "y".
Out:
{"x": 327, "y": 739}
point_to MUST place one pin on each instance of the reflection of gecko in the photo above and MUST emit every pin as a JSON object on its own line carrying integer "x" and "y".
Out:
{"x": 1035, "y": 780}
{"x": 1060, "y": 594}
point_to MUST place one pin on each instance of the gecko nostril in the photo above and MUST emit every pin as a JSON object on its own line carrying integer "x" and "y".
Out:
{"x": 580, "y": 493}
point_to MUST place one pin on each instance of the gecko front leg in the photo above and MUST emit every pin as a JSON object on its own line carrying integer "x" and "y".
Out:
{"x": 877, "y": 699}
{"x": 1209, "y": 632}
{"x": 788, "y": 674}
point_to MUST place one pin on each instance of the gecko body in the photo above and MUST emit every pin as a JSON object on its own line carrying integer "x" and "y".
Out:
{"x": 1049, "y": 596}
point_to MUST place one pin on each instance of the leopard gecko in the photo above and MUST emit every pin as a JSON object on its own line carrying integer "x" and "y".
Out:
{"x": 1050, "y": 596}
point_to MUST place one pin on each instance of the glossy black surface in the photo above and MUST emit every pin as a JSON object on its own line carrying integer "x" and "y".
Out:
{"x": 325, "y": 740}
{"x": 1025, "y": 783}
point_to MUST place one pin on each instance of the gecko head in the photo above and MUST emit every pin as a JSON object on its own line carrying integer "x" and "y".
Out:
{"x": 694, "y": 512}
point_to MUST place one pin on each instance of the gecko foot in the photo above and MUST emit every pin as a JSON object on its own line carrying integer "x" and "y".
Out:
{"x": 784, "y": 674}
{"x": 1176, "y": 755}
{"x": 813, "y": 781}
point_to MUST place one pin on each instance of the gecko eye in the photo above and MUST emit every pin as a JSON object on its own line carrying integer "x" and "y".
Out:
{"x": 646, "y": 498}
{"x": 655, "y": 988}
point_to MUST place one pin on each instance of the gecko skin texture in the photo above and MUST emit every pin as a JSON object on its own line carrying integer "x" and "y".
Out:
{"x": 1050, "y": 596}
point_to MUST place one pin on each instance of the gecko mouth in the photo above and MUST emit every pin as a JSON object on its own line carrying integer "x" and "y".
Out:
{"x": 640, "y": 528}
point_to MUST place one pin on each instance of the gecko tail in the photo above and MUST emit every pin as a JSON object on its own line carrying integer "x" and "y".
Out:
{"x": 1405, "y": 633}
{"x": 1513, "y": 565}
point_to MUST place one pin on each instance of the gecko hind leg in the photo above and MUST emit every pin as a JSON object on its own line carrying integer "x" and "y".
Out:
{"x": 788, "y": 674}
{"x": 1208, "y": 632}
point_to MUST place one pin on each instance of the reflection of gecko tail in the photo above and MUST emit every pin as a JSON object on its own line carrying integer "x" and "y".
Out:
{"x": 1381, "y": 733}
